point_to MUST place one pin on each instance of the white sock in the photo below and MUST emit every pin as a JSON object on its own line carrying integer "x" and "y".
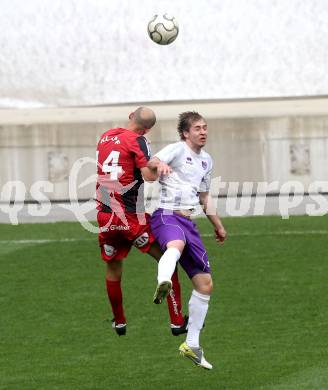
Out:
{"x": 198, "y": 306}
{"x": 167, "y": 264}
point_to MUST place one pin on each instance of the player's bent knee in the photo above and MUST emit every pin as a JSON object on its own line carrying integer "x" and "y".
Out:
{"x": 178, "y": 244}
{"x": 203, "y": 283}
{"x": 206, "y": 288}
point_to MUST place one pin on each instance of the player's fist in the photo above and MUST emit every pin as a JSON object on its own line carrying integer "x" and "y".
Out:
{"x": 163, "y": 169}
{"x": 220, "y": 234}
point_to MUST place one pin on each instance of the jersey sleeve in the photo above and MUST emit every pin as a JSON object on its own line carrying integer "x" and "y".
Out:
{"x": 206, "y": 180}
{"x": 141, "y": 151}
{"x": 169, "y": 153}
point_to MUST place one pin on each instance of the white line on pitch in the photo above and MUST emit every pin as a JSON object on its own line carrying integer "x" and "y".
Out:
{"x": 241, "y": 234}
{"x": 44, "y": 241}
{"x": 282, "y": 233}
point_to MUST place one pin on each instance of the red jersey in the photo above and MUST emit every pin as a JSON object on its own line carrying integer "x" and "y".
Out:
{"x": 120, "y": 155}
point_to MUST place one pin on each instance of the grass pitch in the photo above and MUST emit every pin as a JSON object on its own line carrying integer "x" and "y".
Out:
{"x": 267, "y": 326}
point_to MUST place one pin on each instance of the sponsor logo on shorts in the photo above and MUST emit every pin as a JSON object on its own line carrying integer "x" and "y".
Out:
{"x": 109, "y": 250}
{"x": 119, "y": 227}
{"x": 105, "y": 229}
{"x": 141, "y": 240}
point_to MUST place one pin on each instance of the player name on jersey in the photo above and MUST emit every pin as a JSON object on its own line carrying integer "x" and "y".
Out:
{"x": 107, "y": 139}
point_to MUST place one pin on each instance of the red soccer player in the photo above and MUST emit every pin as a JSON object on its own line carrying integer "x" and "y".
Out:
{"x": 122, "y": 156}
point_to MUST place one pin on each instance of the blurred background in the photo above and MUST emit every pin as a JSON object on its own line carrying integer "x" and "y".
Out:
{"x": 257, "y": 71}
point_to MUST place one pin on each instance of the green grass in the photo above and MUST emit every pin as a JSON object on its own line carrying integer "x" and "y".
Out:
{"x": 267, "y": 326}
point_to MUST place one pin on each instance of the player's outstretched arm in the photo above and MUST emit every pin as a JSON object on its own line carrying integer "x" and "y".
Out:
{"x": 206, "y": 201}
{"x": 159, "y": 166}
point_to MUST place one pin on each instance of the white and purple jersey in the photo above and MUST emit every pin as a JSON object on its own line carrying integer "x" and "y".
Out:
{"x": 191, "y": 175}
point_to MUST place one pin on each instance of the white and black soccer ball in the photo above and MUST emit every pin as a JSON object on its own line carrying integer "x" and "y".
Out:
{"x": 163, "y": 29}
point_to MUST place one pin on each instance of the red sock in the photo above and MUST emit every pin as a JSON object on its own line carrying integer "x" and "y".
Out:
{"x": 114, "y": 292}
{"x": 174, "y": 301}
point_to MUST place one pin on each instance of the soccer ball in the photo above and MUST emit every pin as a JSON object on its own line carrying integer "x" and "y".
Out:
{"x": 163, "y": 29}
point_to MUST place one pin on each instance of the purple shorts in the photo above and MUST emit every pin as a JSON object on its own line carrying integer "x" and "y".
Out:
{"x": 168, "y": 226}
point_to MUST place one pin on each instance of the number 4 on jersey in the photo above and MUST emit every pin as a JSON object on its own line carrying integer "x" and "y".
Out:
{"x": 110, "y": 165}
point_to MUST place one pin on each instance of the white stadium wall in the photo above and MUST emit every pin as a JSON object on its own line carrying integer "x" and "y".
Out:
{"x": 91, "y": 52}
{"x": 250, "y": 141}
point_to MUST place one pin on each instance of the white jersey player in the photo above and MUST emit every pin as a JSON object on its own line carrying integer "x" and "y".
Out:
{"x": 184, "y": 186}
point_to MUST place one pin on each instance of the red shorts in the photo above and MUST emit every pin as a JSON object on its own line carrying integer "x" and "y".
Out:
{"x": 116, "y": 235}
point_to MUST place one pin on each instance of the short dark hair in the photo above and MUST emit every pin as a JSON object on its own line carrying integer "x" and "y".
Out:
{"x": 144, "y": 117}
{"x": 186, "y": 119}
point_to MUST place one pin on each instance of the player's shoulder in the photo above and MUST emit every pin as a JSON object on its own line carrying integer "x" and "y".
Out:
{"x": 133, "y": 137}
{"x": 112, "y": 131}
{"x": 172, "y": 147}
{"x": 179, "y": 145}
{"x": 140, "y": 138}
{"x": 206, "y": 157}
